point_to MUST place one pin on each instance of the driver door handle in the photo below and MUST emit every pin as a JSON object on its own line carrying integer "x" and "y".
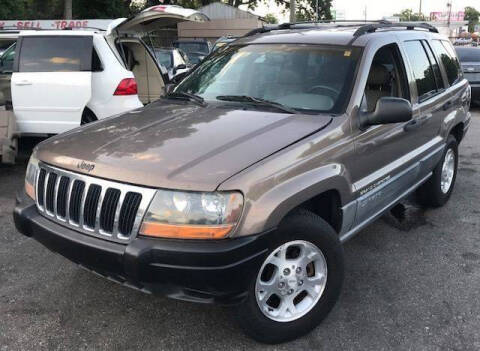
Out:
{"x": 416, "y": 123}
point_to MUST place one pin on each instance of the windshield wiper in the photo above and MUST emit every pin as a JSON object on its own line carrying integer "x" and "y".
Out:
{"x": 257, "y": 101}
{"x": 186, "y": 96}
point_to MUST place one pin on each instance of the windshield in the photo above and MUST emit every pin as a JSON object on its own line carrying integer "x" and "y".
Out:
{"x": 469, "y": 54}
{"x": 164, "y": 58}
{"x": 302, "y": 77}
{"x": 192, "y": 47}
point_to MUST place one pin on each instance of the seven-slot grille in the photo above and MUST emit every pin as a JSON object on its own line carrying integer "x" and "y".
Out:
{"x": 97, "y": 207}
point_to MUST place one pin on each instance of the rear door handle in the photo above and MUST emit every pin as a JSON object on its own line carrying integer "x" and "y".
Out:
{"x": 23, "y": 82}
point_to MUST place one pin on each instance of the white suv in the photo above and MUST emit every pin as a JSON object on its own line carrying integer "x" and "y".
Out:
{"x": 64, "y": 78}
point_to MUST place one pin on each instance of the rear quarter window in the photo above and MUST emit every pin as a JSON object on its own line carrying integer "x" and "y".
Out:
{"x": 55, "y": 54}
{"x": 448, "y": 57}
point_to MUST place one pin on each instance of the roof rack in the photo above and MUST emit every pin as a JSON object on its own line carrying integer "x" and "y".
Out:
{"x": 372, "y": 27}
{"x": 364, "y": 26}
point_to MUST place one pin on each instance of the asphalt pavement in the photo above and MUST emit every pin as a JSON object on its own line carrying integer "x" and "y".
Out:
{"x": 409, "y": 285}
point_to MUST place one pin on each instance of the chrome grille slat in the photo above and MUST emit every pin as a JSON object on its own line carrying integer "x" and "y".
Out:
{"x": 117, "y": 211}
{"x": 55, "y": 195}
{"x": 67, "y": 205}
{"x": 47, "y": 177}
{"x": 69, "y": 193}
{"x": 99, "y": 209}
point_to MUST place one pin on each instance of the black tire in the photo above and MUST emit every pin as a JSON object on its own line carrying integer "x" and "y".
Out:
{"x": 430, "y": 193}
{"x": 88, "y": 117}
{"x": 301, "y": 225}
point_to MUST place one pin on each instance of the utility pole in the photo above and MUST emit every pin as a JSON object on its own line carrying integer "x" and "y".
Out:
{"x": 449, "y": 5}
{"x": 365, "y": 13}
{"x": 316, "y": 17}
{"x": 67, "y": 12}
{"x": 420, "y": 9}
{"x": 293, "y": 11}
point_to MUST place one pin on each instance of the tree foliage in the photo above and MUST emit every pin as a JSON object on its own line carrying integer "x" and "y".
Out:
{"x": 270, "y": 18}
{"x": 91, "y": 9}
{"x": 472, "y": 16}
{"x": 407, "y": 15}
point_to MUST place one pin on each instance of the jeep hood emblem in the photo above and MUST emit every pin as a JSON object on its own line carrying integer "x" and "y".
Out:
{"x": 86, "y": 166}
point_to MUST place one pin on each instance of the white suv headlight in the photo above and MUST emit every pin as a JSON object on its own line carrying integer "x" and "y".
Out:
{"x": 32, "y": 170}
{"x": 192, "y": 215}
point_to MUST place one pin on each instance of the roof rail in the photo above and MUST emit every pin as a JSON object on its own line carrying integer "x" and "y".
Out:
{"x": 372, "y": 27}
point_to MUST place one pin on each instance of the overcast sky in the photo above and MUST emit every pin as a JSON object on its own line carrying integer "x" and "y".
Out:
{"x": 377, "y": 9}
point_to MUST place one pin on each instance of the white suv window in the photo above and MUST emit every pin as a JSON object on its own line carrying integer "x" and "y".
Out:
{"x": 55, "y": 54}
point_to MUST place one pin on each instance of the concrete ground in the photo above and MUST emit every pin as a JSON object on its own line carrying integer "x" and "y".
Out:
{"x": 413, "y": 286}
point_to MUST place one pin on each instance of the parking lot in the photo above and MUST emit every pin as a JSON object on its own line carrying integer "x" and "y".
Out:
{"x": 409, "y": 285}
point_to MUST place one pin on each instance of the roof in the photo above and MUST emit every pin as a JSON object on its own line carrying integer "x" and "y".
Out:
{"x": 219, "y": 10}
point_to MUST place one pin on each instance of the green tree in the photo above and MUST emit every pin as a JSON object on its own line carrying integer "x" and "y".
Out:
{"x": 270, "y": 18}
{"x": 472, "y": 16}
{"x": 306, "y": 9}
{"x": 408, "y": 15}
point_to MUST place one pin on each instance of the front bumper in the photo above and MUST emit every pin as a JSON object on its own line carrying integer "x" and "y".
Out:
{"x": 219, "y": 271}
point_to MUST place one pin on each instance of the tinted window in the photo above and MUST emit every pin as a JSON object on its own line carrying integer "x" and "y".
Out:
{"x": 434, "y": 64}
{"x": 468, "y": 54}
{"x": 96, "y": 63}
{"x": 55, "y": 54}
{"x": 449, "y": 60}
{"x": 422, "y": 71}
{"x": 304, "y": 77}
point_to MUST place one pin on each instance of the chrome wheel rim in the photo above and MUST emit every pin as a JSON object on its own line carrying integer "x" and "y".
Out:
{"x": 448, "y": 170}
{"x": 291, "y": 281}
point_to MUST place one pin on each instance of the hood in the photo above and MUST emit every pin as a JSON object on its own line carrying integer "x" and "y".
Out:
{"x": 155, "y": 18}
{"x": 177, "y": 145}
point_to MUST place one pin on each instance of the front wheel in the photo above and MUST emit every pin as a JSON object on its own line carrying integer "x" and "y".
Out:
{"x": 436, "y": 191}
{"x": 298, "y": 283}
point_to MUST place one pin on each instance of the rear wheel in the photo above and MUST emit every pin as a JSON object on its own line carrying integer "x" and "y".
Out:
{"x": 437, "y": 190}
{"x": 298, "y": 283}
{"x": 88, "y": 117}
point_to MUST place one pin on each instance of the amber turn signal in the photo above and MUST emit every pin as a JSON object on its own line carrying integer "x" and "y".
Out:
{"x": 30, "y": 190}
{"x": 161, "y": 230}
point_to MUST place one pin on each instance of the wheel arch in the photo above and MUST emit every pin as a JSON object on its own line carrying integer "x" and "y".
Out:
{"x": 458, "y": 131}
{"x": 325, "y": 198}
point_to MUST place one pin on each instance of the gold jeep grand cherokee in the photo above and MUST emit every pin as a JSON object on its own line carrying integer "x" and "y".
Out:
{"x": 240, "y": 186}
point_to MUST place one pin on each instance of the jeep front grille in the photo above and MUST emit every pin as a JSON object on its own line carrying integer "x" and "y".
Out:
{"x": 93, "y": 206}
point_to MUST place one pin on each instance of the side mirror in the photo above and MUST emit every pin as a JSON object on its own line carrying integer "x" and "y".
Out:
{"x": 181, "y": 66}
{"x": 388, "y": 110}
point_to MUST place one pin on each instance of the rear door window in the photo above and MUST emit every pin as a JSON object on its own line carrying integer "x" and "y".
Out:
{"x": 422, "y": 70}
{"x": 55, "y": 54}
{"x": 449, "y": 59}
